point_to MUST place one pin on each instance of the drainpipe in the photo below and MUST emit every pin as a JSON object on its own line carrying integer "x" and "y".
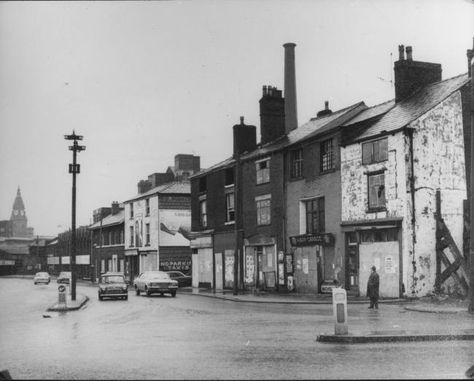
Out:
{"x": 413, "y": 209}
{"x": 471, "y": 200}
{"x": 237, "y": 217}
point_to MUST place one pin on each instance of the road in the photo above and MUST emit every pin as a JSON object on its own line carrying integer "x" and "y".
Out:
{"x": 194, "y": 337}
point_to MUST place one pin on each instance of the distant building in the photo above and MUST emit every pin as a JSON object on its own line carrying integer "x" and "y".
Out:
{"x": 17, "y": 226}
{"x": 108, "y": 240}
{"x": 157, "y": 220}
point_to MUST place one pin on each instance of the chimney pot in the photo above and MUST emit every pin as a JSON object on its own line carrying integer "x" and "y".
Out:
{"x": 264, "y": 90}
{"x": 326, "y": 105}
{"x": 409, "y": 51}
{"x": 242, "y": 120}
{"x": 401, "y": 52}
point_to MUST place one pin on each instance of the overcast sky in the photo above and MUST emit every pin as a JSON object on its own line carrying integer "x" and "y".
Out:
{"x": 143, "y": 81}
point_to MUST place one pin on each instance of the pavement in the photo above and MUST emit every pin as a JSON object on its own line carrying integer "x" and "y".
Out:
{"x": 435, "y": 318}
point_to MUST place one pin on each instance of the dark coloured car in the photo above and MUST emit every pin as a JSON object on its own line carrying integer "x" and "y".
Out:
{"x": 183, "y": 279}
{"x": 64, "y": 277}
{"x": 155, "y": 282}
{"x": 112, "y": 285}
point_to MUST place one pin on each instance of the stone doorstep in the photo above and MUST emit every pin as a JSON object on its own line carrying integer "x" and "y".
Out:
{"x": 394, "y": 336}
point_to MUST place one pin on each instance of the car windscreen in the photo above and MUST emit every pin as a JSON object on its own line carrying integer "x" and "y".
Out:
{"x": 112, "y": 279}
{"x": 158, "y": 276}
{"x": 42, "y": 274}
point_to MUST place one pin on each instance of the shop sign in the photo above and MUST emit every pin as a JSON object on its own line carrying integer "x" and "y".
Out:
{"x": 323, "y": 239}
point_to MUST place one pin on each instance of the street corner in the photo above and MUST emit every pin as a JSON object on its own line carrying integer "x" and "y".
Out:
{"x": 69, "y": 305}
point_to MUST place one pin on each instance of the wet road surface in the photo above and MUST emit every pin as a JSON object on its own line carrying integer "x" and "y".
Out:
{"x": 192, "y": 337}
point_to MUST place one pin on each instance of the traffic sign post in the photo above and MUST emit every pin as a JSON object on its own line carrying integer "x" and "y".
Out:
{"x": 339, "y": 302}
{"x": 62, "y": 296}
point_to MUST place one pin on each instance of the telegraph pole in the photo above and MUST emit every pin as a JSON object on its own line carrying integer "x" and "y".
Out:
{"x": 470, "y": 55}
{"x": 74, "y": 168}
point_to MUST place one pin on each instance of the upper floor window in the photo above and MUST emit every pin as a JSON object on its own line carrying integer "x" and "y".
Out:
{"x": 376, "y": 190}
{"x": 296, "y": 158}
{"x": 230, "y": 206}
{"x": 374, "y": 152}
{"x": 203, "y": 212}
{"x": 263, "y": 206}
{"x": 121, "y": 237}
{"x": 131, "y": 210}
{"x": 327, "y": 155}
{"x": 263, "y": 171}
{"x": 147, "y": 234}
{"x": 229, "y": 176}
{"x": 131, "y": 236}
{"x": 147, "y": 207}
{"x": 315, "y": 216}
{"x": 203, "y": 184}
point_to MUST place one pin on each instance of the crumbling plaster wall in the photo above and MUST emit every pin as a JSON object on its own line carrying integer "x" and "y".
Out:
{"x": 438, "y": 155}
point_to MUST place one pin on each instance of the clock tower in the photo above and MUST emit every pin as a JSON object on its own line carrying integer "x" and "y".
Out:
{"x": 18, "y": 218}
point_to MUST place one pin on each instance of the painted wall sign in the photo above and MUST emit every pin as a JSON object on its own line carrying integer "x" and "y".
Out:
{"x": 289, "y": 264}
{"x": 305, "y": 265}
{"x": 324, "y": 239}
{"x": 249, "y": 268}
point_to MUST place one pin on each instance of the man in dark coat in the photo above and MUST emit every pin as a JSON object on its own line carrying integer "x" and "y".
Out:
{"x": 373, "y": 289}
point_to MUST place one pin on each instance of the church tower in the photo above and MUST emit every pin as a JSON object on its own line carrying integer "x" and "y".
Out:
{"x": 18, "y": 218}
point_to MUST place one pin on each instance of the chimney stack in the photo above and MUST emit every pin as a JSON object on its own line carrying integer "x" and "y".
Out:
{"x": 411, "y": 76}
{"x": 326, "y": 110}
{"x": 291, "y": 120}
{"x": 272, "y": 114}
{"x": 245, "y": 137}
{"x": 401, "y": 53}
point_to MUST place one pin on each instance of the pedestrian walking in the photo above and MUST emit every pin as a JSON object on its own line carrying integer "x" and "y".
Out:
{"x": 373, "y": 288}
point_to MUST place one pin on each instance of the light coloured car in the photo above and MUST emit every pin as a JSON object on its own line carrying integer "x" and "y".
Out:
{"x": 155, "y": 282}
{"x": 64, "y": 277}
{"x": 41, "y": 277}
{"x": 112, "y": 285}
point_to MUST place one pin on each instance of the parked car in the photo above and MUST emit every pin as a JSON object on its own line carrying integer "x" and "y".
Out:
{"x": 41, "y": 277}
{"x": 64, "y": 277}
{"x": 112, "y": 285}
{"x": 155, "y": 282}
{"x": 183, "y": 279}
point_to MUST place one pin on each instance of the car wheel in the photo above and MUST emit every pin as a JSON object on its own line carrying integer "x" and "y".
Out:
{"x": 34, "y": 282}
{"x": 148, "y": 293}
{"x": 125, "y": 297}
{"x": 100, "y": 297}
{"x": 173, "y": 294}
{"x": 137, "y": 290}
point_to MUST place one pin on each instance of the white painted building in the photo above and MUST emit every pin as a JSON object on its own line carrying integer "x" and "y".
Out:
{"x": 392, "y": 164}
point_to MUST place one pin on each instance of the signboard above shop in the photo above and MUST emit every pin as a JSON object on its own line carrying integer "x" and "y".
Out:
{"x": 323, "y": 239}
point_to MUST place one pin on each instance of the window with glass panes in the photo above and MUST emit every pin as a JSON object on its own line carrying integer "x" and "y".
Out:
{"x": 147, "y": 206}
{"x": 327, "y": 155}
{"x": 376, "y": 185}
{"x": 263, "y": 171}
{"x": 203, "y": 212}
{"x": 230, "y": 206}
{"x": 315, "y": 216}
{"x": 296, "y": 163}
{"x": 131, "y": 236}
{"x": 147, "y": 234}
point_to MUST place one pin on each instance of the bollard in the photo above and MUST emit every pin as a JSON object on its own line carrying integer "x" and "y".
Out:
{"x": 339, "y": 303}
{"x": 62, "y": 296}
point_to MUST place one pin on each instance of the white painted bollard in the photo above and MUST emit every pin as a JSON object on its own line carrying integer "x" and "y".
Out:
{"x": 62, "y": 296}
{"x": 339, "y": 305}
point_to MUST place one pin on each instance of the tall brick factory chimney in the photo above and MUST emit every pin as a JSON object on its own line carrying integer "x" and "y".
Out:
{"x": 411, "y": 76}
{"x": 272, "y": 114}
{"x": 291, "y": 120}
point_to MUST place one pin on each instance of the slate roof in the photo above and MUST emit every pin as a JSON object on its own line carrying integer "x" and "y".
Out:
{"x": 176, "y": 187}
{"x": 312, "y": 129}
{"x": 110, "y": 220}
{"x": 410, "y": 109}
{"x": 227, "y": 162}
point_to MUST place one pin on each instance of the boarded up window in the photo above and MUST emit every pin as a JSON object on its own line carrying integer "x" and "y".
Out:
{"x": 375, "y": 152}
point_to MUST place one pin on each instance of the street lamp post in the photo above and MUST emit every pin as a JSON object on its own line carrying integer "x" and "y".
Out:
{"x": 74, "y": 168}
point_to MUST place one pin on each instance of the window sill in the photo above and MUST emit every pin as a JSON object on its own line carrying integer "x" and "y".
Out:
{"x": 267, "y": 182}
{"x": 376, "y": 210}
{"x": 229, "y": 223}
{"x": 325, "y": 172}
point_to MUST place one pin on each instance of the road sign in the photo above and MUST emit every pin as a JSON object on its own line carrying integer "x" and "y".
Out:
{"x": 62, "y": 288}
